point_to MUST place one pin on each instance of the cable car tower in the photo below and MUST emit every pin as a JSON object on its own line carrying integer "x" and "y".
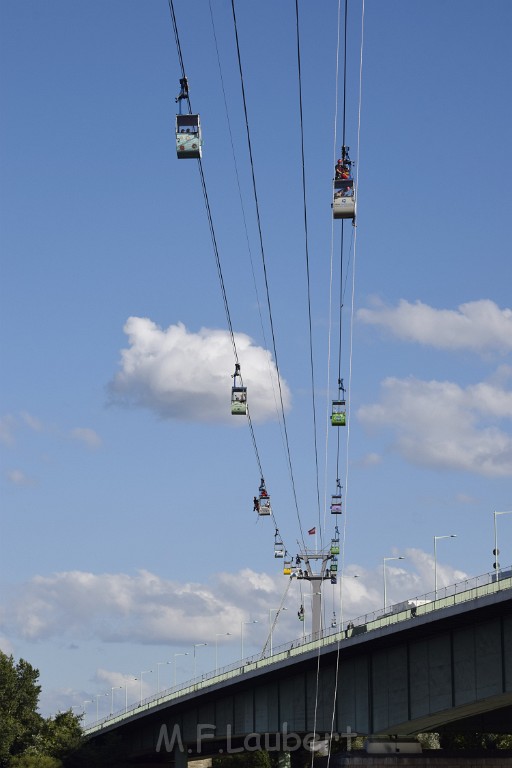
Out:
{"x": 304, "y": 563}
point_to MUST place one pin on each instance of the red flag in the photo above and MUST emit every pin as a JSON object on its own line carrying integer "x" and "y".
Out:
{"x": 312, "y": 531}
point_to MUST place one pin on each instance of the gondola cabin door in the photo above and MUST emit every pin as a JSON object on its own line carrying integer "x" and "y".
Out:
{"x": 188, "y": 136}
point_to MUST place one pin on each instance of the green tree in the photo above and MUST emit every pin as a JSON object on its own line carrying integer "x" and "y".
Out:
{"x": 27, "y": 740}
{"x": 254, "y": 759}
{"x": 475, "y": 741}
{"x": 29, "y": 760}
{"x": 61, "y": 735}
{"x": 19, "y": 695}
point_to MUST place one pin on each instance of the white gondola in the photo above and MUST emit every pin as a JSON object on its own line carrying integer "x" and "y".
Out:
{"x": 344, "y": 200}
{"x": 264, "y": 507}
{"x": 336, "y": 505}
{"x": 239, "y": 401}
{"x": 238, "y": 394}
{"x": 278, "y": 545}
{"x": 188, "y": 136}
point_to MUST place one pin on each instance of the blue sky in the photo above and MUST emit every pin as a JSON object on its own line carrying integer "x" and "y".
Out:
{"x": 127, "y": 532}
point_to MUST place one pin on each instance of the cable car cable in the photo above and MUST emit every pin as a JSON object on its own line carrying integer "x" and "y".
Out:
{"x": 306, "y": 245}
{"x": 244, "y": 218}
{"x": 290, "y": 467}
{"x": 343, "y": 540}
{"x": 213, "y": 237}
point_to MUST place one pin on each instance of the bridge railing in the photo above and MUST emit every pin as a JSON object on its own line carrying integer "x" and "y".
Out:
{"x": 408, "y": 610}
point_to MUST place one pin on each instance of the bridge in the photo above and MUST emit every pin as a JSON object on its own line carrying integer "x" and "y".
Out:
{"x": 442, "y": 663}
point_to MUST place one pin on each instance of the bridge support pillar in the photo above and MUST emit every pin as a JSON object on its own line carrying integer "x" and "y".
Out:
{"x": 179, "y": 758}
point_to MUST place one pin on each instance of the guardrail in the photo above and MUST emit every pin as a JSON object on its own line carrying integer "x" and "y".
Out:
{"x": 470, "y": 589}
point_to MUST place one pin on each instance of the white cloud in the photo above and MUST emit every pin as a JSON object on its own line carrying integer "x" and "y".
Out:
{"x": 143, "y": 608}
{"x": 480, "y": 326}
{"x": 19, "y": 478}
{"x": 442, "y": 425}
{"x": 7, "y": 426}
{"x": 6, "y": 646}
{"x": 187, "y": 376}
{"x": 423, "y": 563}
{"x": 146, "y": 609}
{"x": 32, "y": 421}
{"x": 87, "y": 436}
{"x": 371, "y": 459}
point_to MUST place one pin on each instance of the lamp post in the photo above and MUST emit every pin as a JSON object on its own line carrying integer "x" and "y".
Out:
{"x": 400, "y": 557}
{"x": 197, "y": 645}
{"x": 98, "y": 697}
{"x": 496, "y": 550}
{"x": 218, "y": 634}
{"x": 355, "y": 576}
{"x": 144, "y": 672}
{"x": 177, "y": 654}
{"x": 113, "y": 688}
{"x": 436, "y": 538}
{"x": 270, "y": 625}
{"x": 87, "y": 701}
{"x": 133, "y": 679}
{"x": 242, "y": 623}
{"x": 158, "y": 665}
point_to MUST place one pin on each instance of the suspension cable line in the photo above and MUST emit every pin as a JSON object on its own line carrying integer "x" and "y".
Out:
{"x": 306, "y": 240}
{"x": 214, "y": 239}
{"x": 336, "y": 675}
{"x": 244, "y": 219}
{"x": 290, "y": 467}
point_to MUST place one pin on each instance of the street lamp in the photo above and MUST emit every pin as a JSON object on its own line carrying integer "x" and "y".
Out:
{"x": 114, "y": 688}
{"x": 218, "y": 634}
{"x": 132, "y": 679}
{"x": 496, "y": 550}
{"x": 270, "y": 625}
{"x": 177, "y": 654}
{"x": 197, "y": 645}
{"x": 400, "y": 557}
{"x": 158, "y": 665}
{"x": 144, "y": 672}
{"x": 448, "y": 536}
{"x": 242, "y": 623}
{"x": 98, "y": 697}
{"x": 354, "y": 576}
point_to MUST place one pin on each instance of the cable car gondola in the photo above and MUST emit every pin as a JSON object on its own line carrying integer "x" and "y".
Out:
{"x": 287, "y": 568}
{"x": 335, "y": 546}
{"x": 264, "y": 507}
{"x": 278, "y": 545}
{"x": 344, "y": 200}
{"x": 336, "y": 504}
{"x": 238, "y": 395}
{"x": 339, "y": 411}
{"x": 189, "y": 138}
